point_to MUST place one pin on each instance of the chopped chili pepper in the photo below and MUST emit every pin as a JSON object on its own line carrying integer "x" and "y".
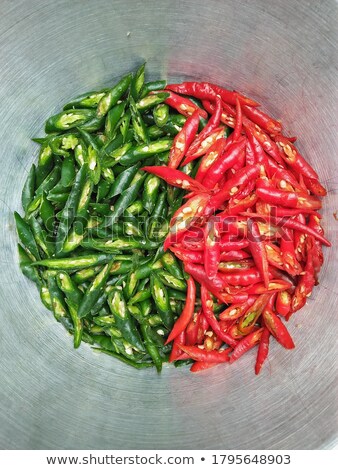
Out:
{"x": 277, "y": 329}
{"x": 183, "y": 140}
{"x": 175, "y": 178}
{"x": 245, "y": 344}
{"x": 183, "y": 105}
{"x": 200, "y": 355}
{"x": 263, "y": 350}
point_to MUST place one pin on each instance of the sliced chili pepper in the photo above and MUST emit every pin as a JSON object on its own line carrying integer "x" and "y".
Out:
{"x": 274, "y": 285}
{"x": 215, "y": 152}
{"x": 183, "y": 140}
{"x": 246, "y": 344}
{"x": 212, "y": 124}
{"x": 201, "y": 355}
{"x": 230, "y": 96}
{"x": 175, "y": 178}
{"x": 305, "y": 229}
{"x": 200, "y": 365}
{"x": 315, "y": 187}
{"x": 266, "y": 142}
{"x": 247, "y": 322}
{"x": 208, "y": 141}
{"x": 226, "y": 161}
{"x": 257, "y": 248}
{"x": 207, "y": 306}
{"x": 186, "y": 315}
{"x": 183, "y": 105}
{"x": 293, "y": 158}
{"x": 176, "y": 350}
{"x": 263, "y": 350}
{"x": 287, "y": 248}
{"x": 212, "y": 249}
{"x": 236, "y": 310}
{"x": 185, "y": 216}
{"x": 262, "y": 120}
{"x": 283, "y": 303}
{"x": 277, "y": 329}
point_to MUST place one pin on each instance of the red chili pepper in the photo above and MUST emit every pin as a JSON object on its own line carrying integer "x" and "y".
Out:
{"x": 286, "y": 181}
{"x": 263, "y": 350}
{"x": 275, "y": 285}
{"x": 287, "y": 249}
{"x": 236, "y": 266}
{"x": 232, "y": 186}
{"x": 293, "y": 158}
{"x": 207, "y": 306}
{"x": 188, "y": 255}
{"x": 176, "y": 350}
{"x": 274, "y": 255}
{"x": 248, "y": 320}
{"x": 200, "y": 355}
{"x": 214, "y": 153}
{"x": 305, "y": 229}
{"x": 175, "y": 178}
{"x": 230, "y": 96}
{"x": 183, "y": 140}
{"x": 185, "y": 317}
{"x": 200, "y": 365}
{"x": 183, "y": 105}
{"x": 227, "y": 119}
{"x": 277, "y": 329}
{"x": 283, "y": 303}
{"x": 191, "y": 331}
{"x": 235, "y": 206}
{"x": 246, "y": 277}
{"x": 314, "y": 186}
{"x": 233, "y": 255}
{"x": 226, "y": 161}
{"x": 238, "y": 126}
{"x": 237, "y": 310}
{"x": 304, "y": 287}
{"x": 246, "y": 344}
{"x": 205, "y": 145}
{"x": 200, "y": 90}
{"x": 250, "y": 155}
{"x": 212, "y": 250}
{"x": 212, "y": 124}
{"x": 266, "y": 191}
{"x": 258, "y": 251}
{"x": 268, "y": 145}
{"x": 262, "y": 120}
{"x": 185, "y": 216}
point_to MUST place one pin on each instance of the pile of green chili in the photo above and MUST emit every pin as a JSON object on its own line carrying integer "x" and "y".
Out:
{"x": 93, "y": 227}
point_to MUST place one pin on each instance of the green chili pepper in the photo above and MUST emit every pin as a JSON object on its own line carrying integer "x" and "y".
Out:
{"x": 127, "y": 197}
{"x": 145, "y": 269}
{"x": 77, "y": 323}
{"x": 105, "y": 321}
{"x": 72, "y": 241}
{"x": 81, "y": 216}
{"x": 140, "y": 296}
{"x": 155, "y": 132}
{"x": 68, "y": 120}
{"x": 140, "y": 130}
{"x": 123, "y": 321}
{"x": 47, "y": 184}
{"x": 171, "y": 264}
{"x": 143, "y": 151}
{"x": 151, "y": 346}
{"x": 84, "y": 274}
{"x": 45, "y": 163}
{"x": 67, "y": 172}
{"x": 25, "y": 262}
{"x": 137, "y": 82}
{"x": 158, "y": 214}
{"x": 136, "y": 208}
{"x": 150, "y": 192}
{"x": 120, "y": 244}
{"x": 112, "y": 159}
{"x": 93, "y": 125}
{"x": 26, "y": 236}
{"x": 100, "y": 208}
{"x": 94, "y": 291}
{"x": 176, "y": 294}
{"x": 57, "y": 299}
{"x": 69, "y": 288}
{"x": 69, "y": 211}
{"x": 123, "y": 181}
{"x": 131, "y": 285}
{"x": 80, "y": 153}
{"x": 47, "y": 214}
{"x": 161, "y": 299}
{"x": 150, "y": 101}
{"x": 161, "y": 114}
{"x": 45, "y": 297}
{"x": 41, "y": 237}
{"x": 125, "y": 126}
{"x": 75, "y": 263}
{"x": 112, "y": 96}
{"x": 28, "y": 190}
{"x": 113, "y": 119}
{"x": 86, "y": 100}
{"x": 129, "y": 362}
{"x": 153, "y": 86}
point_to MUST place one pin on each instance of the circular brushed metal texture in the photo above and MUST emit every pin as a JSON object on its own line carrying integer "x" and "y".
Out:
{"x": 281, "y": 53}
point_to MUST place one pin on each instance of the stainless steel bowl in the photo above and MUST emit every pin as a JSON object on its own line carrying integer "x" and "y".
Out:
{"x": 282, "y": 53}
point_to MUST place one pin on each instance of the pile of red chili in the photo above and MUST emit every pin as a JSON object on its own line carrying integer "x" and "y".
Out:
{"x": 249, "y": 233}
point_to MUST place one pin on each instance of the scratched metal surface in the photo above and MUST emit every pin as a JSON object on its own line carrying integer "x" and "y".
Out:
{"x": 282, "y": 53}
